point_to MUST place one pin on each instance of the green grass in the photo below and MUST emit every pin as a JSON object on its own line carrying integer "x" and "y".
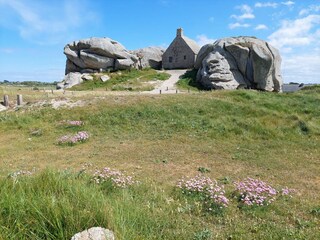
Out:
{"x": 129, "y": 80}
{"x": 57, "y": 205}
{"x": 161, "y": 138}
{"x": 189, "y": 81}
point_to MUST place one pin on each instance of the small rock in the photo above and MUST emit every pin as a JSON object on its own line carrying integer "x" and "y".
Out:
{"x": 2, "y": 108}
{"x": 94, "y": 233}
{"x": 104, "y": 78}
{"x": 87, "y": 77}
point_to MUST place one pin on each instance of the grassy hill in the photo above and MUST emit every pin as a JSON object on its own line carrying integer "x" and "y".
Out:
{"x": 159, "y": 139}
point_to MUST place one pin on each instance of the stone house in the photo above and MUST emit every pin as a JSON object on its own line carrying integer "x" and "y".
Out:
{"x": 181, "y": 54}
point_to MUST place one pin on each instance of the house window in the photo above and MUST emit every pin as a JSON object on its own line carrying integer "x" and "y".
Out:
{"x": 170, "y": 59}
{"x": 184, "y": 57}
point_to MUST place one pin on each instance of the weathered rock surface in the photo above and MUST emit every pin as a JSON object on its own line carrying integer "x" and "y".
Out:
{"x": 95, "y": 233}
{"x": 104, "y": 78}
{"x": 149, "y": 57}
{"x": 123, "y": 64}
{"x": 74, "y": 78}
{"x": 87, "y": 77}
{"x": 95, "y": 54}
{"x": 71, "y": 79}
{"x": 239, "y": 62}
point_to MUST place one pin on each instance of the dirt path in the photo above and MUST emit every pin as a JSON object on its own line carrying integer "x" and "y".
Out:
{"x": 168, "y": 86}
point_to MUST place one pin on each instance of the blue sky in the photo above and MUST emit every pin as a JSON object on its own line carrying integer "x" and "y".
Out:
{"x": 33, "y": 32}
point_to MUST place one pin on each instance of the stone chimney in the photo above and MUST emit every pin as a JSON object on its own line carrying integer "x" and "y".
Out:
{"x": 179, "y": 32}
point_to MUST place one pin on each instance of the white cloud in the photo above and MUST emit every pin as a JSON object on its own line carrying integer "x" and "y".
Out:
{"x": 266, "y": 4}
{"x": 301, "y": 68}
{"x": 238, "y": 25}
{"x": 261, "y": 27}
{"x": 41, "y": 24}
{"x": 311, "y": 8}
{"x": 299, "y": 32}
{"x": 202, "y": 39}
{"x": 247, "y": 13}
{"x": 288, "y": 3}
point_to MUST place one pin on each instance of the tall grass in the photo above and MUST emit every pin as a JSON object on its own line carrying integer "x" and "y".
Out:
{"x": 57, "y": 205}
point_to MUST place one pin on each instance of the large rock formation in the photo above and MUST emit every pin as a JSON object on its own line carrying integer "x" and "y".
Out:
{"x": 95, "y": 54}
{"x": 149, "y": 57}
{"x": 239, "y": 62}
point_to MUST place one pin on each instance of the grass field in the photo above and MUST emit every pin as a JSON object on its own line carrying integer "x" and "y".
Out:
{"x": 227, "y": 135}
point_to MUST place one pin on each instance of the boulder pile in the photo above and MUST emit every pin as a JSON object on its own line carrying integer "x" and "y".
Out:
{"x": 95, "y": 55}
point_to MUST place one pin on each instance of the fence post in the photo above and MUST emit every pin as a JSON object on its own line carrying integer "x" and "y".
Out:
{"x": 19, "y": 99}
{"x": 6, "y": 100}
{"x": 160, "y": 91}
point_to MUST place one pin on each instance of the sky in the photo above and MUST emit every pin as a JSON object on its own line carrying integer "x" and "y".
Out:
{"x": 33, "y": 33}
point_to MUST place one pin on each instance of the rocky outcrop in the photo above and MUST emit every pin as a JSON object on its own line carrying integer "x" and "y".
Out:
{"x": 95, "y": 54}
{"x": 149, "y": 57}
{"x": 239, "y": 62}
{"x": 95, "y": 233}
{"x": 71, "y": 79}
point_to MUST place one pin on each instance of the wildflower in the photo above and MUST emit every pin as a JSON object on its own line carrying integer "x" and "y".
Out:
{"x": 255, "y": 192}
{"x": 287, "y": 191}
{"x": 117, "y": 178}
{"x": 72, "y": 123}
{"x": 73, "y": 139}
{"x": 206, "y": 188}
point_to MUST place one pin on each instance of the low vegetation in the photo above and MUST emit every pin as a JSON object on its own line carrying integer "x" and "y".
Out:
{"x": 137, "y": 174}
{"x": 188, "y": 81}
{"x": 129, "y": 80}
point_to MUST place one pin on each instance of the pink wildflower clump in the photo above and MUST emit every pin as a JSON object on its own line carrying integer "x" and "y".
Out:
{"x": 81, "y": 136}
{"x": 117, "y": 178}
{"x": 254, "y": 192}
{"x": 72, "y": 123}
{"x": 287, "y": 191}
{"x": 208, "y": 190}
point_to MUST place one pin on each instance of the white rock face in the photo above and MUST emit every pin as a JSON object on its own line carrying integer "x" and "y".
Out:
{"x": 123, "y": 64}
{"x": 149, "y": 57}
{"x": 70, "y": 80}
{"x": 104, "y": 78}
{"x": 95, "y": 233}
{"x": 242, "y": 62}
{"x": 87, "y": 77}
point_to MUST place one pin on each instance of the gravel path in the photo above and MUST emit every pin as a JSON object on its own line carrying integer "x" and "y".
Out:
{"x": 168, "y": 86}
